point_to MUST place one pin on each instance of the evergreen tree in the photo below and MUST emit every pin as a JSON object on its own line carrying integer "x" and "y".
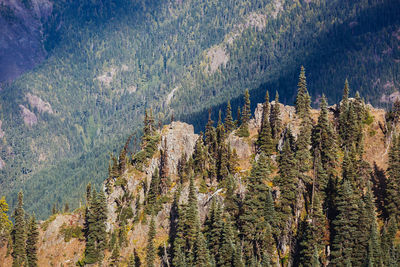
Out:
{"x": 115, "y": 255}
{"x": 101, "y": 220}
{"x": 388, "y": 242}
{"x": 199, "y": 155}
{"x": 5, "y": 223}
{"x": 150, "y": 249}
{"x": 265, "y": 143}
{"x": 303, "y": 99}
{"x": 313, "y": 233}
{"x": 222, "y": 162}
{"x": 287, "y": 181}
{"x": 164, "y": 171}
{"x": 227, "y": 248}
{"x": 393, "y": 186}
{"x": 238, "y": 121}
{"x": 345, "y": 225}
{"x": 213, "y": 229}
{"x": 178, "y": 253}
{"x": 229, "y": 124}
{"x": 95, "y": 228}
{"x": 343, "y": 112}
{"x": 91, "y": 252}
{"x": 210, "y": 135}
{"x": 254, "y": 217}
{"x": 374, "y": 243}
{"x": 19, "y": 234}
{"x": 31, "y": 242}
{"x": 275, "y": 118}
{"x": 243, "y": 130}
{"x": 153, "y": 190}
{"x": 192, "y": 224}
{"x": 202, "y": 256}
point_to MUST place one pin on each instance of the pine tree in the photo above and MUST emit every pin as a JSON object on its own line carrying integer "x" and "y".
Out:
{"x": 5, "y": 223}
{"x": 153, "y": 190}
{"x": 101, "y": 220}
{"x": 254, "y": 217}
{"x": 210, "y": 135}
{"x": 343, "y": 112}
{"x": 229, "y": 124}
{"x": 91, "y": 252}
{"x": 31, "y": 242}
{"x": 19, "y": 234}
{"x": 213, "y": 228}
{"x": 222, "y": 162}
{"x": 265, "y": 143}
{"x": 191, "y": 227}
{"x": 313, "y": 234}
{"x": 374, "y": 243}
{"x": 243, "y": 130}
{"x": 227, "y": 248}
{"x": 275, "y": 118}
{"x": 388, "y": 238}
{"x": 287, "y": 181}
{"x": 178, "y": 248}
{"x": 345, "y": 225}
{"x": 150, "y": 249}
{"x": 393, "y": 186}
{"x": 202, "y": 255}
{"x": 324, "y": 147}
{"x": 115, "y": 255}
{"x": 238, "y": 121}
{"x": 303, "y": 100}
{"x": 164, "y": 171}
{"x": 199, "y": 155}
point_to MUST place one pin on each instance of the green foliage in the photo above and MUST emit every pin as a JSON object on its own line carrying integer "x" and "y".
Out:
{"x": 19, "y": 234}
{"x": 32, "y": 242}
{"x": 154, "y": 52}
{"x": 243, "y": 130}
{"x": 150, "y": 249}
{"x": 5, "y": 223}
{"x": 72, "y": 231}
{"x": 265, "y": 143}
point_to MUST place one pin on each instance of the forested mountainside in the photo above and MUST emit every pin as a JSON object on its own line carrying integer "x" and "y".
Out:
{"x": 110, "y": 60}
{"x": 289, "y": 186}
{"x": 22, "y": 36}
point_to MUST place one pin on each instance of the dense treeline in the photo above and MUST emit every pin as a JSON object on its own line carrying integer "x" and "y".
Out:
{"x": 309, "y": 199}
{"x": 109, "y": 61}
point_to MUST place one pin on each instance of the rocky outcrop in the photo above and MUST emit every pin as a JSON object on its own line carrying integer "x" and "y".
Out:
{"x": 39, "y": 104}
{"x": 29, "y": 117}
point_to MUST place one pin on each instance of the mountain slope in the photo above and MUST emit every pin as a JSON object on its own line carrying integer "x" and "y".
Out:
{"x": 60, "y": 241}
{"x": 109, "y": 61}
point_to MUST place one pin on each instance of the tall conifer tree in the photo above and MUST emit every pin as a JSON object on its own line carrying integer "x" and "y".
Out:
{"x": 19, "y": 234}
{"x": 150, "y": 249}
{"x": 265, "y": 143}
{"x": 229, "y": 124}
{"x": 275, "y": 118}
{"x": 31, "y": 242}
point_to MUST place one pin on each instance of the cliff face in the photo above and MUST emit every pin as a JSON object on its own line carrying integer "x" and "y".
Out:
{"x": 177, "y": 139}
{"x": 21, "y": 35}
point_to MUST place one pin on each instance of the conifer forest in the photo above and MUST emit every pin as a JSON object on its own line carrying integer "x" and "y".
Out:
{"x": 200, "y": 133}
